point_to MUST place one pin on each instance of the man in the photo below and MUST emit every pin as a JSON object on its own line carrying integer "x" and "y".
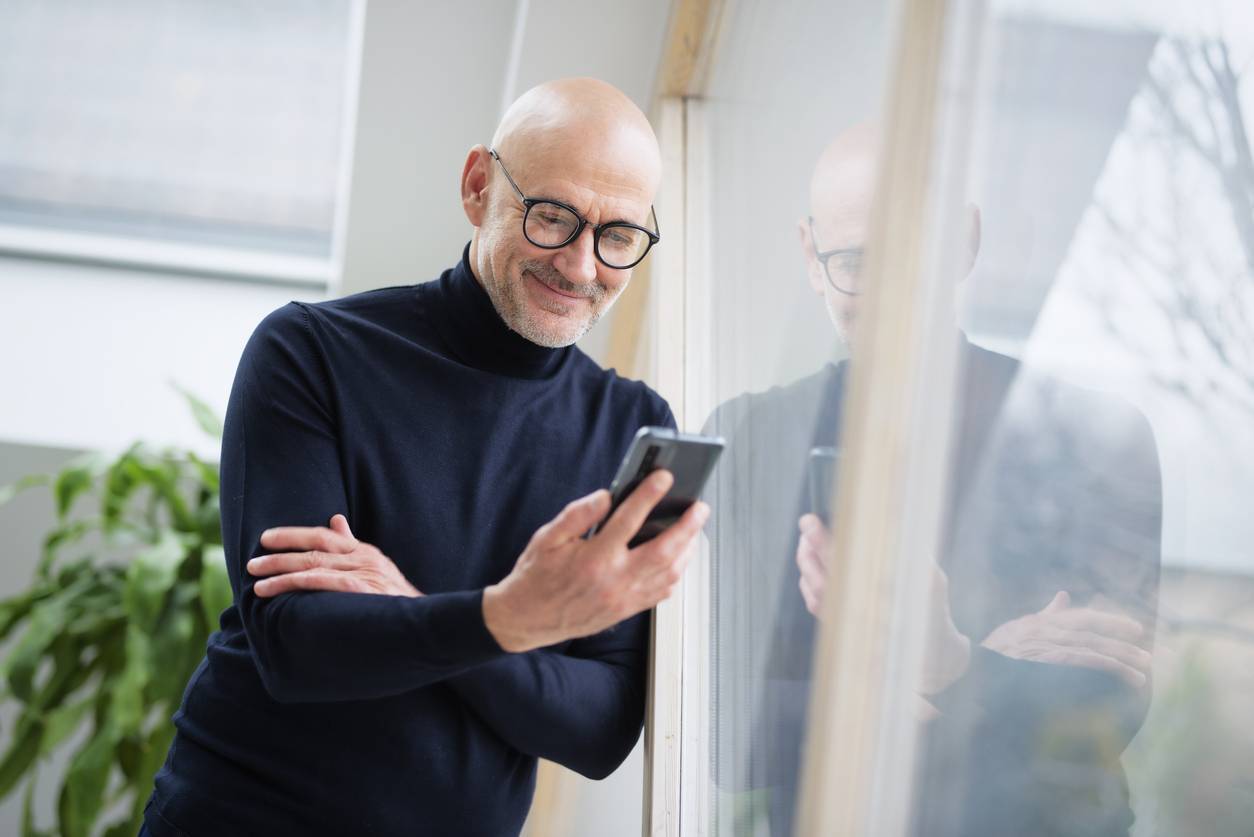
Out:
{"x": 1036, "y": 676}
{"x": 417, "y": 616}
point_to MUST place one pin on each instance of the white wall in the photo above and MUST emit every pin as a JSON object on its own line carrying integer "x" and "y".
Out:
{"x": 88, "y": 352}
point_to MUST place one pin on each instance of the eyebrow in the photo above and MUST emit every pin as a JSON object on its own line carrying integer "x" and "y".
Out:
{"x": 582, "y": 214}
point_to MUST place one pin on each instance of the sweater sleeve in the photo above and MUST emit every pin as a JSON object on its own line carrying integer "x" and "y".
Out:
{"x": 281, "y": 466}
{"x": 582, "y": 707}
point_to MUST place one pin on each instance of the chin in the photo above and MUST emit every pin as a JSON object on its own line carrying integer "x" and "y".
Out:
{"x": 551, "y": 331}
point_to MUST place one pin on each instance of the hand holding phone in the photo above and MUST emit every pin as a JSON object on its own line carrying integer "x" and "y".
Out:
{"x": 567, "y": 584}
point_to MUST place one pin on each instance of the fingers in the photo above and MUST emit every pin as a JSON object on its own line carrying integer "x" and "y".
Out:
{"x": 668, "y": 554}
{"x": 662, "y": 559}
{"x": 339, "y": 524}
{"x": 677, "y": 537}
{"x": 630, "y": 516}
{"x": 1114, "y": 625}
{"x": 318, "y": 579}
{"x": 813, "y": 580}
{"x": 811, "y": 596}
{"x": 319, "y": 538}
{"x": 810, "y": 562}
{"x": 577, "y": 517}
{"x": 813, "y": 552}
{"x": 1087, "y": 658}
{"x": 664, "y": 583}
{"x": 812, "y": 527}
{"x": 1125, "y": 652}
{"x": 1060, "y": 601}
{"x": 291, "y": 562}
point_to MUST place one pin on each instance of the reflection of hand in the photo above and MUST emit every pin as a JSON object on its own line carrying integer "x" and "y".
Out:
{"x": 1076, "y": 636}
{"x": 330, "y": 559}
{"x": 948, "y": 649}
{"x": 812, "y": 561}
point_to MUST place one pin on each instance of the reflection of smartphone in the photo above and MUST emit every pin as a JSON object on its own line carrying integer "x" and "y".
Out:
{"x": 689, "y": 457}
{"x": 822, "y": 476}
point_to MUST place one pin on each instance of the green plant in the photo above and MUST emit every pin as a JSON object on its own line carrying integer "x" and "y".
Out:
{"x": 104, "y": 642}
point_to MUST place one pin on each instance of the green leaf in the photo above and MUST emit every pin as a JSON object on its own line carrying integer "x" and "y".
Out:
{"x": 61, "y": 536}
{"x": 69, "y": 485}
{"x": 47, "y": 621}
{"x": 13, "y": 610}
{"x": 154, "y": 752}
{"x": 175, "y": 653}
{"x": 162, "y": 478}
{"x": 59, "y": 723}
{"x": 215, "y": 585}
{"x": 82, "y": 795}
{"x": 28, "y": 808}
{"x": 20, "y": 755}
{"x": 204, "y": 414}
{"x": 207, "y": 472}
{"x": 8, "y": 492}
{"x": 127, "y": 706}
{"x": 120, "y": 483}
{"x": 66, "y": 670}
{"x": 149, "y": 578}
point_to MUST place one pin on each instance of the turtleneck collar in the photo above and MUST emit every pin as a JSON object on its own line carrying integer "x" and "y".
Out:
{"x": 477, "y": 335}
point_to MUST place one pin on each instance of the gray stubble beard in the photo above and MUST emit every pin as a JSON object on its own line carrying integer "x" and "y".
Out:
{"x": 511, "y": 304}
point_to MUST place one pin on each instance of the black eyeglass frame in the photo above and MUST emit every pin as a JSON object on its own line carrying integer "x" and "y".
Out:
{"x": 824, "y": 255}
{"x": 529, "y": 203}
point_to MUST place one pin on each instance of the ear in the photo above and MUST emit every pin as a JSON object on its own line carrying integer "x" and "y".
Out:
{"x": 475, "y": 184}
{"x": 973, "y": 237}
{"x": 814, "y": 270}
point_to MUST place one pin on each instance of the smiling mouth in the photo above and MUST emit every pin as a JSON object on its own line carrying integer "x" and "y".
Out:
{"x": 547, "y": 286}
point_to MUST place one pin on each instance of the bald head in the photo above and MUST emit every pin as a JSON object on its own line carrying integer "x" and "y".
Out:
{"x": 583, "y": 121}
{"x": 842, "y": 190}
{"x": 580, "y": 143}
{"x": 842, "y": 187}
{"x": 843, "y": 183}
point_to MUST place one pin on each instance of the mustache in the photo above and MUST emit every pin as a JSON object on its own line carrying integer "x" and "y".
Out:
{"x": 550, "y": 276}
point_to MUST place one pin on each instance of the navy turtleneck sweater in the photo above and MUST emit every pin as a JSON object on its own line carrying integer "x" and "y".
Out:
{"x": 447, "y": 440}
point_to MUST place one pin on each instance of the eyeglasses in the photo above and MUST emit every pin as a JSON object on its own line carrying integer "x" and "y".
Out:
{"x": 551, "y": 224}
{"x": 846, "y": 275}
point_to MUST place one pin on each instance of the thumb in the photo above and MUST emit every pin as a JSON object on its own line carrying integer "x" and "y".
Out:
{"x": 339, "y": 523}
{"x": 580, "y": 515}
{"x": 1061, "y": 601}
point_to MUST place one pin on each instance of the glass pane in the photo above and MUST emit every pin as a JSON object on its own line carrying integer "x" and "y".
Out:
{"x": 202, "y": 123}
{"x": 790, "y": 170}
{"x": 1097, "y": 537}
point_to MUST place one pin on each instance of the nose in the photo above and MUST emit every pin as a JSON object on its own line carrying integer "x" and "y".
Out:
{"x": 576, "y": 260}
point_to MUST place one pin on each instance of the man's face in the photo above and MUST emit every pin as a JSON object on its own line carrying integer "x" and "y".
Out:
{"x": 552, "y": 297}
{"x": 842, "y": 227}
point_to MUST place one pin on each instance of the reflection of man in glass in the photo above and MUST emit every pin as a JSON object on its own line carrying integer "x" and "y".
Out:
{"x": 1038, "y": 665}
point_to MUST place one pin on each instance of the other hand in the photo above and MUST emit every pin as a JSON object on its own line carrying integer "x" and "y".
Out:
{"x": 1076, "y": 636}
{"x": 564, "y": 586}
{"x": 812, "y": 562}
{"x": 328, "y": 558}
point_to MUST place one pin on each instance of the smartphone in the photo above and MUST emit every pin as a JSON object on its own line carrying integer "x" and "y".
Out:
{"x": 822, "y": 478}
{"x": 688, "y": 456}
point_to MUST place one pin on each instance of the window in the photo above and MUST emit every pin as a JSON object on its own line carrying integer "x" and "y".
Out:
{"x": 201, "y": 136}
{"x": 1039, "y": 605}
